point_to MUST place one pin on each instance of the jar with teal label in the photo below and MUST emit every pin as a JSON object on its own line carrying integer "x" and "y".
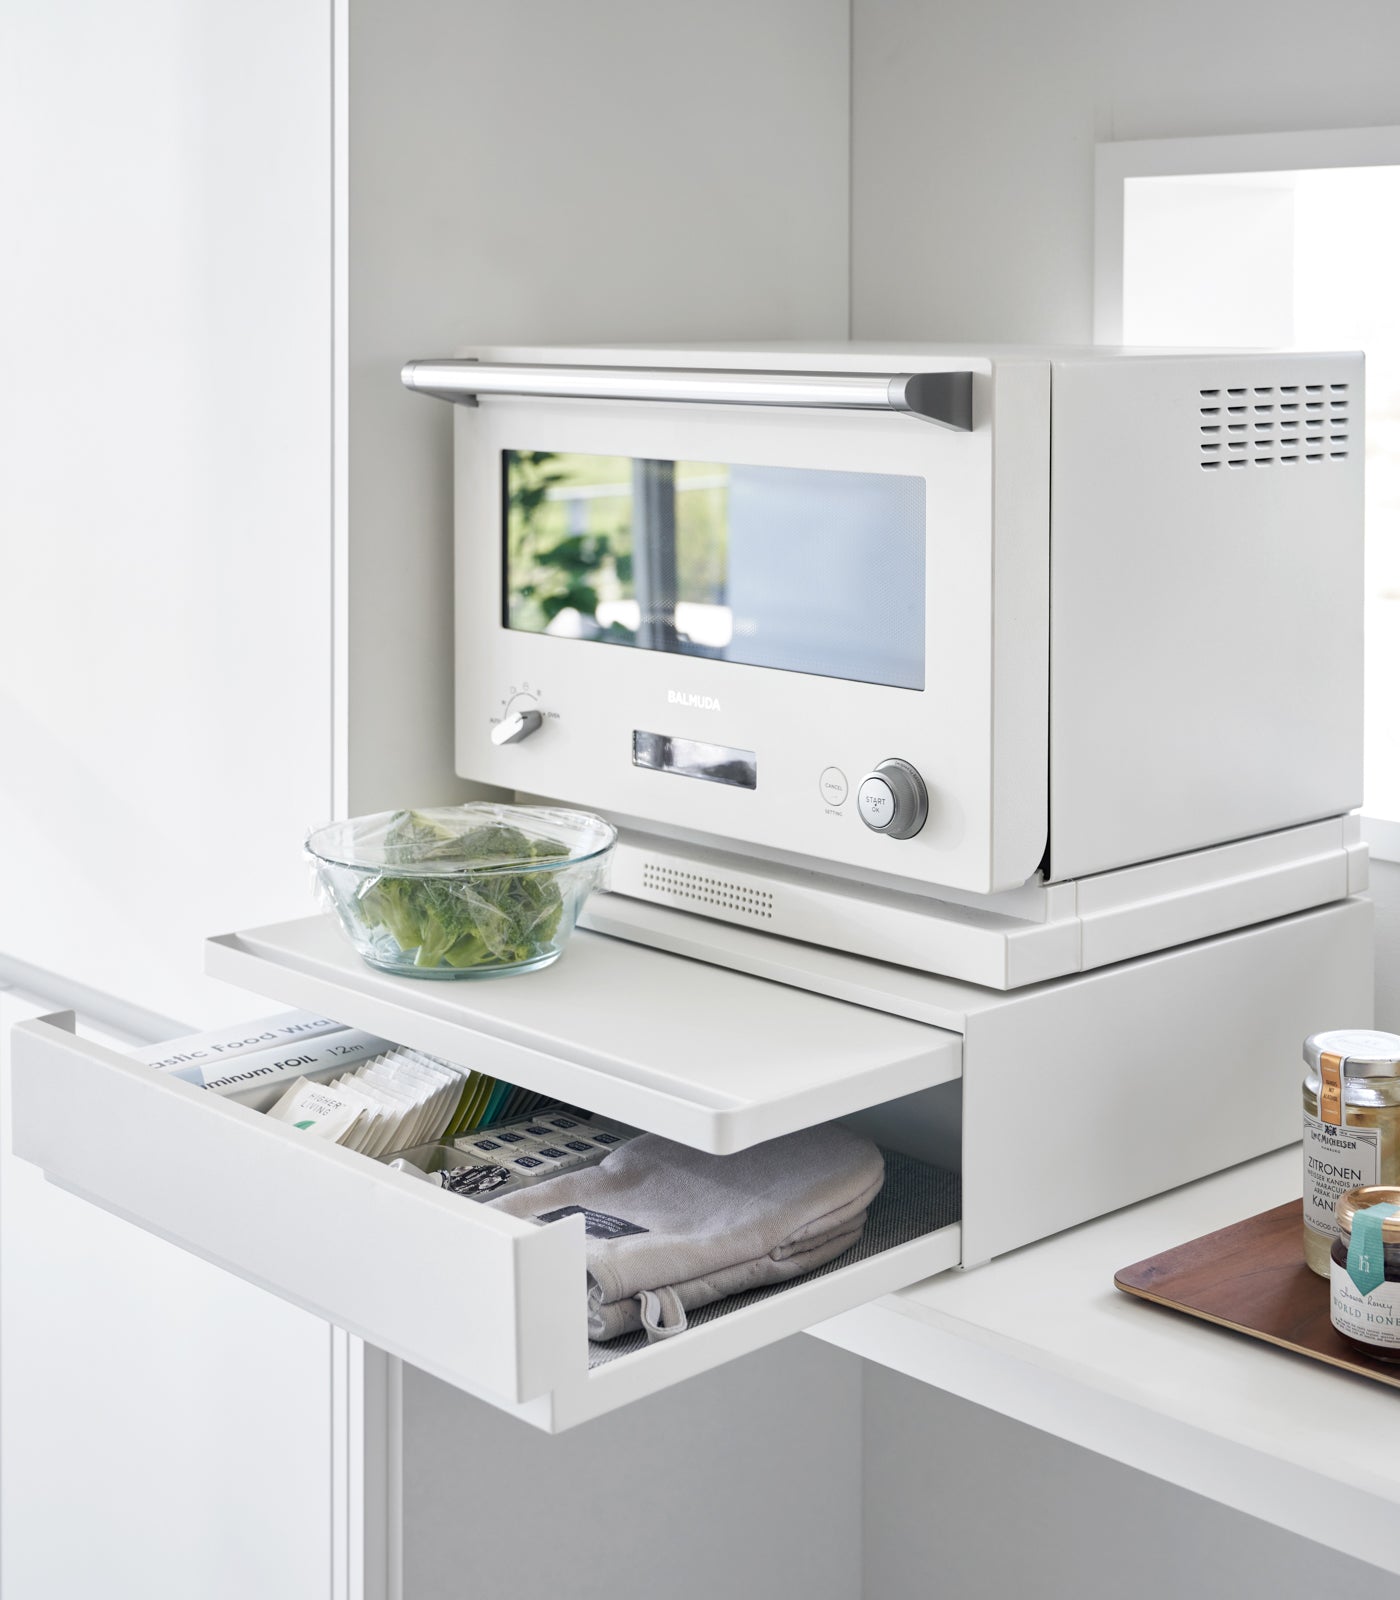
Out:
{"x": 1365, "y": 1265}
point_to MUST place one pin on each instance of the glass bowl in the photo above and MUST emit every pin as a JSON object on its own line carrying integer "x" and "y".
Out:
{"x": 466, "y": 891}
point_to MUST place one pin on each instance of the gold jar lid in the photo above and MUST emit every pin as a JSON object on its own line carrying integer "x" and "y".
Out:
{"x": 1371, "y": 1194}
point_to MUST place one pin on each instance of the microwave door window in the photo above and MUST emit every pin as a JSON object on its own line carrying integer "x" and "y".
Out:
{"x": 826, "y": 573}
{"x": 794, "y": 569}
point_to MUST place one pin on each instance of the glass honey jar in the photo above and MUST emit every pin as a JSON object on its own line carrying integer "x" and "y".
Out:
{"x": 1366, "y": 1271}
{"x": 1351, "y": 1127}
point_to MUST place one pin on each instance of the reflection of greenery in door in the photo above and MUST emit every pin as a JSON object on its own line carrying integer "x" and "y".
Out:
{"x": 569, "y": 538}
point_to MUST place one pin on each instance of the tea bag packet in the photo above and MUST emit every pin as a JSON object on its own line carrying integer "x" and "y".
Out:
{"x": 408, "y": 1117}
{"x": 389, "y": 1074}
{"x": 467, "y": 1086}
{"x": 496, "y": 1104}
{"x": 393, "y": 1134}
{"x": 423, "y": 1093}
{"x": 470, "y": 1116}
{"x": 448, "y": 1080}
{"x": 429, "y": 1091}
{"x": 401, "y": 1099}
{"x": 458, "y": 1084}
{"x": 373, "y": 1126}
{"x": 381, "y": 1079}
{"x": 318, "y": 1108}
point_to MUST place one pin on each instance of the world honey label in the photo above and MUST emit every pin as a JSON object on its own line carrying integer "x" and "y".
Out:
{"x": 1335, "y": 1159}
{"x": 1372, "y": 1318}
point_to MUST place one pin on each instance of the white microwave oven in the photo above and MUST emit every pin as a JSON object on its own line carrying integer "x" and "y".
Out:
{"x": 927, "y": 620}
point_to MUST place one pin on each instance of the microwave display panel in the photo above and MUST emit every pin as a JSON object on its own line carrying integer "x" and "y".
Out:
{"x": 689, "y": 758}
{"x": 798, "y": 569}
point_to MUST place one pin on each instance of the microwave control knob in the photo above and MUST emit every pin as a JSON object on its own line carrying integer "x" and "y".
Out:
{"x": 892, "y": 800}
{"x": 517, "y": 726}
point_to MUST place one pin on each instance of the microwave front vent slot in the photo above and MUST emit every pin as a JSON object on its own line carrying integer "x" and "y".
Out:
{"x": 704, "y": 888}
{"x": 941, "y": 397}
{"x": 1274, "y": 424}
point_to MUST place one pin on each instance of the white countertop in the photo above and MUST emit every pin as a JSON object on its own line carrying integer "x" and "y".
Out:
{"x": 1043, "y": 1336}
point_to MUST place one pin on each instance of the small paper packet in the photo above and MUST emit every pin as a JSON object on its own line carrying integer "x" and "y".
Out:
{"x": 318, "y": 1108}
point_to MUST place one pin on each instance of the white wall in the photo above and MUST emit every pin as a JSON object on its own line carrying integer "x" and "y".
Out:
{"x": 543, "y": 171}
{"x": 165, "y": 725}
{"x": 1209, "y": 260}
{"x": 974, "y": 128}
{"x": 164, "y": 510}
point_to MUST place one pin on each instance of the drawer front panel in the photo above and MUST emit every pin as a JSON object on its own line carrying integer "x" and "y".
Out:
{"x": 491, "y": 1304}
{"x": 477, "y": 1298}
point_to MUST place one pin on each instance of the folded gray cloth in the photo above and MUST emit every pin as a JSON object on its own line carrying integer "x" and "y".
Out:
{"x": 670, "y": 1228}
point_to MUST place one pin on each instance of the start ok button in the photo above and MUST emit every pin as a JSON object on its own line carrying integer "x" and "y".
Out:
{"x": 876, "y": 803}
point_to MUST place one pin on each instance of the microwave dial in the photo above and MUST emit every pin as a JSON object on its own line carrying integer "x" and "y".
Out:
{"x": 517, "y": 726}
{"x": 521, "y": 718}
{"x": 893, "y": 800}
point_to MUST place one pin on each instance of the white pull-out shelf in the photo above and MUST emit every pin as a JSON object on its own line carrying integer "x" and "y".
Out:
{"x": 489, "y": 1303}
{"x": 712, "y": 1058}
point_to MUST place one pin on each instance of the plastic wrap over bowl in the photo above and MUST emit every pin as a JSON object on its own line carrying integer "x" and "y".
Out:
{"x": 461, "y": 891}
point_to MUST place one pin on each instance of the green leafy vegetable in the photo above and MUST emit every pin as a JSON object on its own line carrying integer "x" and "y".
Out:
{"x": 466, "y": 914}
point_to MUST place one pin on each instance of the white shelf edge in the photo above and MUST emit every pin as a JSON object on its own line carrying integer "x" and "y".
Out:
{"x": 1230, "y": 1471}
{"x": 1255, "y": 1428}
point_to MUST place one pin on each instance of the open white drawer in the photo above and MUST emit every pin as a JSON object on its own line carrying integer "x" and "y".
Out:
{"x": 494, "y": 1305}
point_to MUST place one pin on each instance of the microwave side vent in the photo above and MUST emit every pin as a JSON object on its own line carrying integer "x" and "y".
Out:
{"x": 1273, "y": 424}
{"x": 707, "y": 889}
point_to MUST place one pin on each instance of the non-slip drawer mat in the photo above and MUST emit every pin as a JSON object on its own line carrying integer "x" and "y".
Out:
{"x": 916, "y": 1199}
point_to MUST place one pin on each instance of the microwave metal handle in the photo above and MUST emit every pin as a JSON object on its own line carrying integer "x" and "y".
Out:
{"x": 942, "y": 397}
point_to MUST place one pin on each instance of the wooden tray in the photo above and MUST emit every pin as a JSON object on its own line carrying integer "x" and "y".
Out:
{"x": 1251, "y": 1277}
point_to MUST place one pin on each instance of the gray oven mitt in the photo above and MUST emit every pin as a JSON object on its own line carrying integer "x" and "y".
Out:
{"x": 670, "y": 1228}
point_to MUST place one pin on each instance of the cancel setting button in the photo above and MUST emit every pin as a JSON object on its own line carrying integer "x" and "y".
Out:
{"x": 834, "y": 787}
